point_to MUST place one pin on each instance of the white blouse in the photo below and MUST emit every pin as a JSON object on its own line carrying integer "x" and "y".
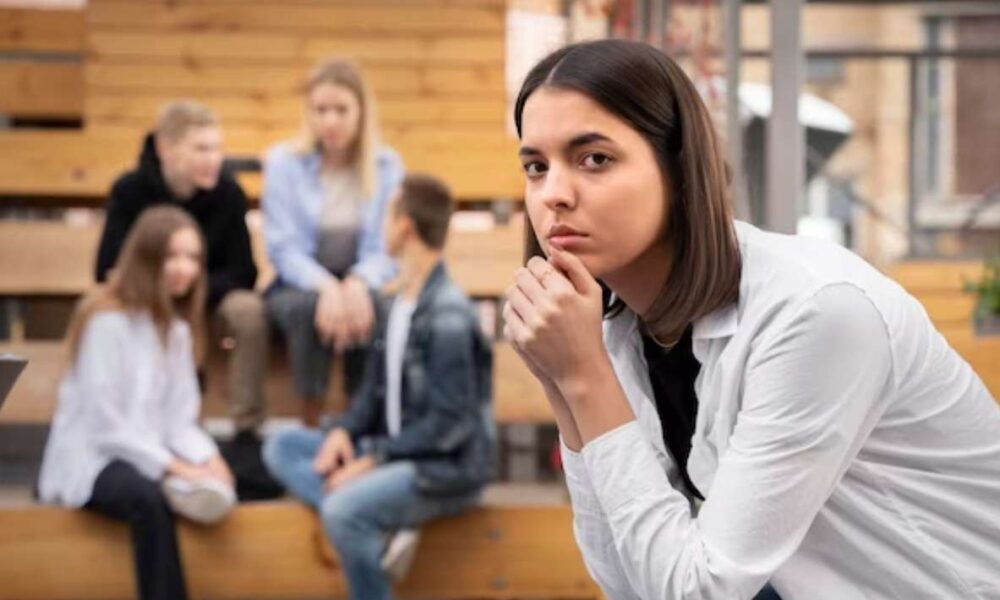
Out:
{"x": 843, "y": 448}
{"x": 126, "y": 397}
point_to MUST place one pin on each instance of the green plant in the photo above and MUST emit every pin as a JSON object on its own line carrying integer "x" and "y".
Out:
{"x": 988, "y": 289}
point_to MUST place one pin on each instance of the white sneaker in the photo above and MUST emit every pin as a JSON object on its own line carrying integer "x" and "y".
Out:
{"x": 400, "y": 552}
{"x": 205, "y": 501}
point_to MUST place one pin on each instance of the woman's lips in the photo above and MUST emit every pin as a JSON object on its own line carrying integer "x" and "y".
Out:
{"x": 565, "y": 237}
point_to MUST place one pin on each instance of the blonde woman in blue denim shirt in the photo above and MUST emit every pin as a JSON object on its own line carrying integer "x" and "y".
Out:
{"x": 324, "y": 200}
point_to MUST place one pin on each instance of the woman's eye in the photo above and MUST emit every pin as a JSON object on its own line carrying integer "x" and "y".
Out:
{"x": 596, "y": 160}
{"x": 534, "y": 169}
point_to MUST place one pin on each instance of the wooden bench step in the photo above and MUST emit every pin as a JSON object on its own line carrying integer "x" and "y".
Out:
{"x": 273, "y": 550}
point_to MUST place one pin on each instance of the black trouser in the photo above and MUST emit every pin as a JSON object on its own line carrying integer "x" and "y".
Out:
{"x": 120, "y": 492}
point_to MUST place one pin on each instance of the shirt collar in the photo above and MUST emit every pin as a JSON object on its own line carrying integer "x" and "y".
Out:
{"x": 721, "y": 323}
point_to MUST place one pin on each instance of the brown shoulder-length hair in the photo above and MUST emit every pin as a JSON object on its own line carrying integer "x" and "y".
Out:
{"x": 137, "y": 284}
{"x": 649, "y": 91}
{"x": 347, "y": 74}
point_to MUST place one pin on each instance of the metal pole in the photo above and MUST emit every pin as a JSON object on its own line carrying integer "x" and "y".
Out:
{"x": 734, "y": 128}
{"x": 640, "y": 23}
{"x": 657, "y": 20}
{"x": 786, "y": 138}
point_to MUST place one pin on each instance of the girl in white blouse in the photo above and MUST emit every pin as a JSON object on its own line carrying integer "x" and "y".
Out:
{"x": 748, "y": 407}
{"x": 125, "y": 440}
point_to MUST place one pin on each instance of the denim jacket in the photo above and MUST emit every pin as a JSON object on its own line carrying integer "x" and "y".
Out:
{"x": 292, "y": 201}
{"x": 447, "y": 387}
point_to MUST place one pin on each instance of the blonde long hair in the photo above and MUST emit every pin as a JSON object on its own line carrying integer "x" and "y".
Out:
{"x": 137, "y": 282}
{"x": 345, "y": 73}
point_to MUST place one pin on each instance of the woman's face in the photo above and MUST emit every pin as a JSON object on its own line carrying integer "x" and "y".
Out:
{"x": 334, "y": 116}
{"x": 594, "y": 187}
{"x": 182, "y": 266}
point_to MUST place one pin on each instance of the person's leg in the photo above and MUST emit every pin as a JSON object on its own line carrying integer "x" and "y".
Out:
{"x": 245, "y": 319}
{"x": 294, "y": 313}
{"x": 289, "y": 456}
{"x": 354, "y": 369}
{"x": 356, "y": 516}
{"x": 120, "y": 492}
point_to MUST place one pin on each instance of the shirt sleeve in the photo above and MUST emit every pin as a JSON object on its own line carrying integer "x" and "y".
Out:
{"x": 590, "y": 528}
{"x": 100, "y": 358}
{"x": 184, "y": 435}
{"x": 285, "y": 239}
{"x": 236, "y": 269}
{"x": 118, "y": 218}
{"x": 812, "y": 394}
{"x": 374, "y": 264}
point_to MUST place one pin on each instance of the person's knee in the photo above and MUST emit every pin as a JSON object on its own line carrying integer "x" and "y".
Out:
{"x": 147, "y": 502}
{"x": 342, "y": 519}
{"x": 244, "y": 312}
{"x": 277, "y": 451}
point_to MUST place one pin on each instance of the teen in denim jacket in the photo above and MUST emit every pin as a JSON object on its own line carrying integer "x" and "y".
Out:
{"x": 418, "y": 441}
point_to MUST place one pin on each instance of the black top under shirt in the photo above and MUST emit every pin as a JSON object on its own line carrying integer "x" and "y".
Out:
{"x": 672, "y": 373}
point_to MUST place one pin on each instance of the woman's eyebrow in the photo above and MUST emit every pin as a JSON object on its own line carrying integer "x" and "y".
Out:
{"x": 581, "y": 140}
{"x": 588, "y": 138}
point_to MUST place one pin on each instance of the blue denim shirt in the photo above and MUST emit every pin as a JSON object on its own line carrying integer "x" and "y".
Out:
{"x": 447, "y": 388}
{"x": 292, "y": 200}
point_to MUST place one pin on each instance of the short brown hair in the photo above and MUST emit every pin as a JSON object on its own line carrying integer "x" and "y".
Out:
{"x": 427, "y": 200}
{"x": 642, "y": 86}
{"x": 179, "y": 116}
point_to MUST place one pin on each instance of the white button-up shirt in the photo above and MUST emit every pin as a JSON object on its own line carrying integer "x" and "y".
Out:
{"x": 843, "y": 448}
{"x": 127, "y": 397}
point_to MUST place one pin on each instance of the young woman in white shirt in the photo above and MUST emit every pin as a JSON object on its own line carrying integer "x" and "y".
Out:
{"x": 737, "y": 407}
{"x": 125, "y": 440}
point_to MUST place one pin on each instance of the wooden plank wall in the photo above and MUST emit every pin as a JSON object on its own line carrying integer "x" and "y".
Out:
{"x": 41, "y": 71}
{"x": 436, "y": 67}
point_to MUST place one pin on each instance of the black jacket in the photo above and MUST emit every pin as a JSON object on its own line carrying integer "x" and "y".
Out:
{"x": 221, "y": 213}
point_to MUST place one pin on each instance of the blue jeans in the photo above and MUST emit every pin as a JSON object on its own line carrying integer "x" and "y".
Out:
{"x": 356, "y": 516}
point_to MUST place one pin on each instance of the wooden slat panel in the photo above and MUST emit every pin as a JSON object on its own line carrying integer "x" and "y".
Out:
{"x": 41, "y": 89}
{"x": 496, "y": 4}
{"x": 257, "y": 49}
{"x": 946, "y": 308}
{"x": 53, "y": 258}
{"x": 470, "y": 82}
{"x": 62, "y": 163}
{"x": 483, "y": 262}
{"x": 138, "y": 109}
{"x": 269, "y": 550}
{"x": 46, "y": 258}
{"x": 41, "y": 30}
{"x": 85, "y": 164}
{"x": 32, "y": 400}
{"x": 347, "y": 20}
{"x": 517, "y": 395}
{"x": 933, "y": 275}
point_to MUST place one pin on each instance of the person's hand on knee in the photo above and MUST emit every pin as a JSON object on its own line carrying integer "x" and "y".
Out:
{"x": 337, "y": 450}
{"x": 358, "y": 309}
{"x": 330, "y": 318}
{"x": 350, "y": 472}
{"x": 218, "y": 468}
{"x": 185, "y": 470}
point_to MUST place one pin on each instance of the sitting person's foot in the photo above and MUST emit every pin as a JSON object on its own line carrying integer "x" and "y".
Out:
{"x": 205, "y": 501}
{"x": 400, "y": 552}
